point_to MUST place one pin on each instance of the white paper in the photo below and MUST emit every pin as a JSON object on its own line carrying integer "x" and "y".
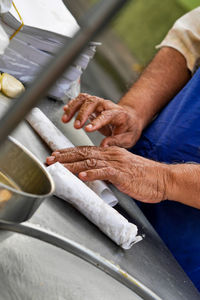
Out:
{"x": 101, "y": 189}
{"x": 55, "y": 139}
{"x": 106, "y": 218}
{"x": 47, "y": 15}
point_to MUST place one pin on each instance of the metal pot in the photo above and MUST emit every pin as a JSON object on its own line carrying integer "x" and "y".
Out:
{"x": 24, "y": 182}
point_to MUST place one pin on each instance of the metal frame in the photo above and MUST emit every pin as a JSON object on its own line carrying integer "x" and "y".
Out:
{"x": 92, "y": 24}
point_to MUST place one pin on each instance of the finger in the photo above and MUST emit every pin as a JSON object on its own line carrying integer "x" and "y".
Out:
{"x": 62, "y": 150}
{"x": 106, "y": 130}
{"x": 87, "y": 108}
{"x": 78, "y": 154}
{"x": 85, "y": 165}
{"x": 66, "y": 118}
{"x": 73, "y": 106}
{"x": 125, "y": 140}
{"x": 50, "y": 160}
{"x": 107, "y": 173}
{"x": 103, "y": 119}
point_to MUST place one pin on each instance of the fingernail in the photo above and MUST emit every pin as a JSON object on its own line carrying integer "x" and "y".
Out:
{"x": 55, "y": 153}
{"x": 90, "y": 126}
{"x": 65, "y": 107}
{"x": 83, "y": 174}
{"x": 51, "y": 158}
{"x": 77, "y": 123}
{"x": 64, "y": 118}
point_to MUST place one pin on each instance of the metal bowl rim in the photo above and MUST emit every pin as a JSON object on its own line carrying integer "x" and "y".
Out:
{"x": 32, "y": 156}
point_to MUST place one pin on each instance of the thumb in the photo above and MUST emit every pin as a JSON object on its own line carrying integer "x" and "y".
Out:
{"x": 109, "y": 141}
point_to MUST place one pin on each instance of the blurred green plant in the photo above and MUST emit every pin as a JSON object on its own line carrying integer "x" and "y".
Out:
{"x": 190, "y": 4}
{"x": 143, "y": 24}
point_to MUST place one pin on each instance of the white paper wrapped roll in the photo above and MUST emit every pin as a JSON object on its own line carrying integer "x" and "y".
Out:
{"x": 52, "y": 136}
{"x": 55, "y": 139}
{"x": 74, "y": 191}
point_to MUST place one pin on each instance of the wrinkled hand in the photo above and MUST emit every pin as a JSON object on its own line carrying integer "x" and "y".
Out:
{"x": 119, "y": 123}
{"x": 140, "y": 178}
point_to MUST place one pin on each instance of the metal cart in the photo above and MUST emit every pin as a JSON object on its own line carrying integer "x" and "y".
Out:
{"x": 58, "y": 253}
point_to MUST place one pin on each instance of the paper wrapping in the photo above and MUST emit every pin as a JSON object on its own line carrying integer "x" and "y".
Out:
{"x": 106, "y": 218}
{"x": 55, "y": 139}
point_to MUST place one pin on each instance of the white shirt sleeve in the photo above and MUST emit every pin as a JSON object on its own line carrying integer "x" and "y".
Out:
{"x": 184, "y": 36}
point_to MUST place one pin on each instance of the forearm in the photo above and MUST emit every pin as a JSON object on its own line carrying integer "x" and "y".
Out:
{"x": 158, "y": 84}
{"x": 183, "y": 184}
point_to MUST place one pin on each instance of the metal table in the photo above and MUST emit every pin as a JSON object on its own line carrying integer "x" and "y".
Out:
{"x": 34, "y": 269}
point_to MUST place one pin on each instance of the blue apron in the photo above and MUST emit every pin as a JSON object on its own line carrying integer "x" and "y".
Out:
{"x": 174, "y": 137}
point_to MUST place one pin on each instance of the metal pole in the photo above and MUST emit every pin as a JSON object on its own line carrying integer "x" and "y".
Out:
{"x": 92, "y": 23}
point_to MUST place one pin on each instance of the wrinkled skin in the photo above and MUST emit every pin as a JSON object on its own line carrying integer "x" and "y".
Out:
{"x": 119, "y": 123}
{"x": 140, "y": 178}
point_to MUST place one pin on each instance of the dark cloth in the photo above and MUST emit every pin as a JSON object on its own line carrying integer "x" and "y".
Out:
{"x": 174, "y": 137}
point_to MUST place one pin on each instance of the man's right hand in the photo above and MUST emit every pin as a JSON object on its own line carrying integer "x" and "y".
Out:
{"x": 119, "y": 123}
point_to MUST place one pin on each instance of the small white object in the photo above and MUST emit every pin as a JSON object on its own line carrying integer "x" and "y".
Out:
{"x": 10, "y": 86}
{"x": 55, "y": 139}
{"x": 106, "y": 218}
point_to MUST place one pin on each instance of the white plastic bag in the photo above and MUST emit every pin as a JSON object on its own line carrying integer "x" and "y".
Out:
{"x": 4, "y": 40}
{"x": 5, "y": 6}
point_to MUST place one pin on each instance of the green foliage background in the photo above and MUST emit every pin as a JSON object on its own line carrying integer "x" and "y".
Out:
{"x": 190, "y": 4}
{"x": 142, "y": 24}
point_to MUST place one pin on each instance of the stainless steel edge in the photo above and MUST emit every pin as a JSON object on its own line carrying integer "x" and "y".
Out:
{"x": 78, "y": 250}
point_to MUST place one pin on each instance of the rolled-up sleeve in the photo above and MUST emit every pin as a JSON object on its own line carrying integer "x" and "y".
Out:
{"x": 184, "y": 36}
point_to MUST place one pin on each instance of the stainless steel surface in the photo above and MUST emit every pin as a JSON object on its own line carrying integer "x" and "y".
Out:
{"x": 92, "y": 23}
{"x": 34, "y": 182}
{"x": 75, "y": 248}
{"x": 31, "y": 269}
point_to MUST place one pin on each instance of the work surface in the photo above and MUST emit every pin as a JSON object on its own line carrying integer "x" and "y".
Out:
{"x": 33, "y": 269}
